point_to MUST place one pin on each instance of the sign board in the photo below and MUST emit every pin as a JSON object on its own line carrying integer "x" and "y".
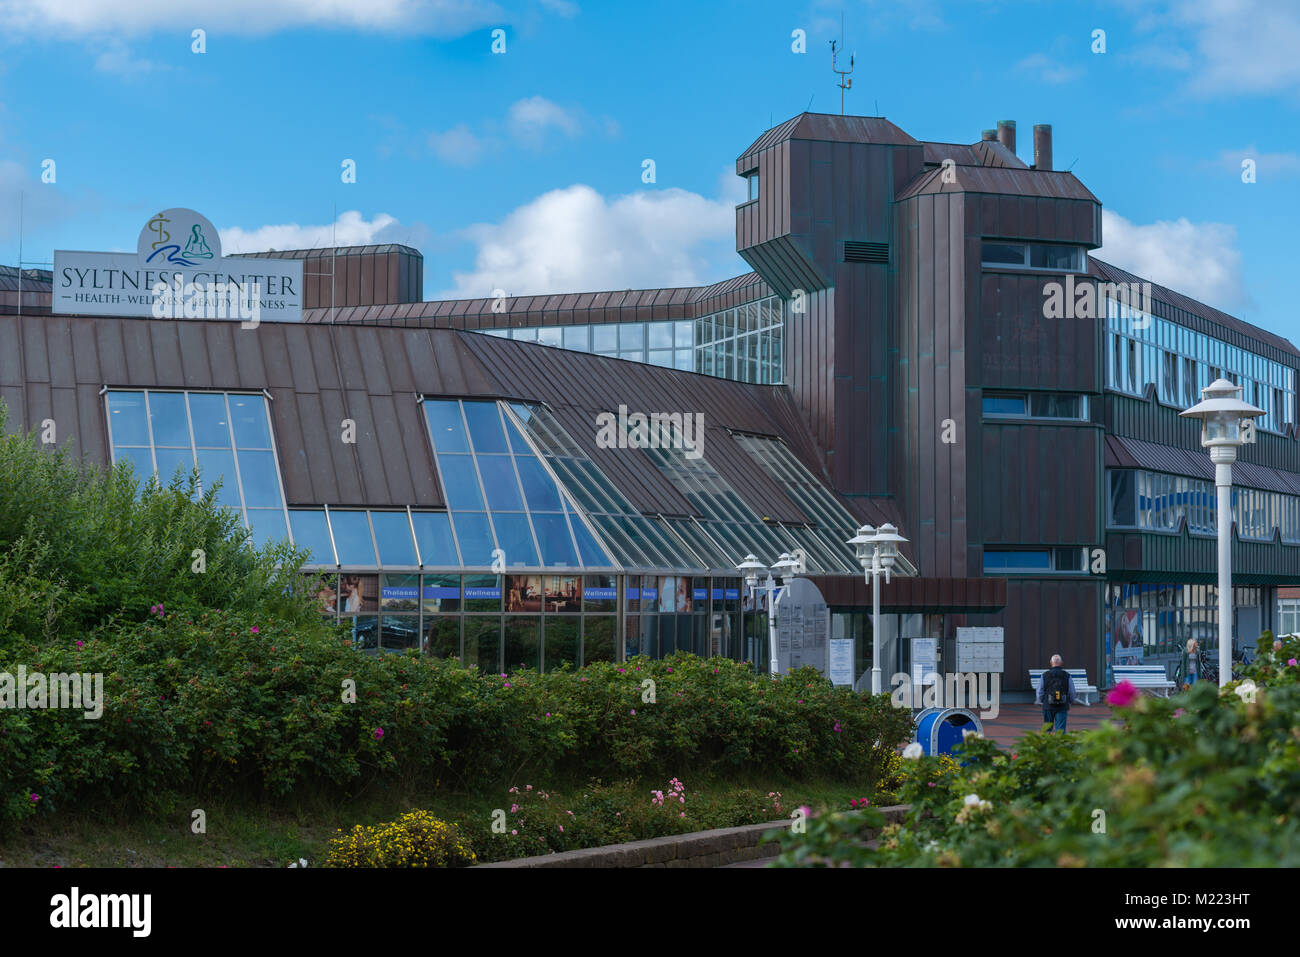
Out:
{"x": 179, "y": 251}
{"x": 980, "y": 650}
{"x": 925, "y": 660}
{"x": 803, "y": 627}
{"x": 841, "y": 667}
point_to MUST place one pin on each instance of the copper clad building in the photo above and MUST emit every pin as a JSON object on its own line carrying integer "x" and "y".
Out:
{"x": 914, "y": 345}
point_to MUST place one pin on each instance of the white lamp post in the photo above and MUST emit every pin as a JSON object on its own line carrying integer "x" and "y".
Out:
{"x": 751, "y": 568}
{"x": 1221, "y": 412}
{"x": 876, "y": 550}
{"x": 783, "y": 569}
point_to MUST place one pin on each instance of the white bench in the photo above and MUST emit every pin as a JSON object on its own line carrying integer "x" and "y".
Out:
{"x": 1082, "y": 690}
{"x": 1147, "y": 677}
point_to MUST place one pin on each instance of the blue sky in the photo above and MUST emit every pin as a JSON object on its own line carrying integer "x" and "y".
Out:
{"x": 523, "y": 171}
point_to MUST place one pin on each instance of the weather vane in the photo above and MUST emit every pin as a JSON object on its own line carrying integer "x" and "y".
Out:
{"x": 845, "y": 82}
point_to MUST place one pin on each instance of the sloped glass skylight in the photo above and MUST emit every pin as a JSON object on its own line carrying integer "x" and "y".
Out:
{"x": 503, "y": 504}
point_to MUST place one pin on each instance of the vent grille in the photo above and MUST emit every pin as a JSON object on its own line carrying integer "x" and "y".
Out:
{"x": 856, "y": 252}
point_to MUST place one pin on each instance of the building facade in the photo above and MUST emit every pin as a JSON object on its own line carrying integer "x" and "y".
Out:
{"x": 925, "y": 339}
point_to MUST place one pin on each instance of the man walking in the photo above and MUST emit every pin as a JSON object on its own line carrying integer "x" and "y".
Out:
{"x": 1056, "y": 694}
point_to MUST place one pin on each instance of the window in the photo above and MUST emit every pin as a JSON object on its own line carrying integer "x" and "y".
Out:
{"x": 1152, "y": 347}
{"x": 1288, "y": 616}
{"x": 1003, "y": 254}
{"x": 1056, "y": 258}
{"x": 1038, "y": 405}
{"x": 1123, "y": 512}
{"x": 1045, "y": 256}
{"x": 1017, "y": 561}
{"x": 1004, "y": 405}
{"x": 226, "y": 436}
{"x": 503, "y": 503}
{"x": 999, "y": 561}
{"x": 751, "y": 184}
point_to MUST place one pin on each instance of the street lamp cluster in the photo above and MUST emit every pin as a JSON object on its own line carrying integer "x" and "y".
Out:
{"x": 752, "y": 569}
{"x": 877, "y": 550}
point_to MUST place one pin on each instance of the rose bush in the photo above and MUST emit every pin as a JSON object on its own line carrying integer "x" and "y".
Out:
{"x": 1202, "y": 779}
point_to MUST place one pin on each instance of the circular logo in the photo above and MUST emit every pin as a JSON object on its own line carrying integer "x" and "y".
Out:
{"x": 179, "y": 237}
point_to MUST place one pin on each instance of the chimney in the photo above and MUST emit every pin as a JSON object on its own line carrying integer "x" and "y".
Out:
{"x": 1043, "y": 146}
{"x": 1007, "y": 134}
{"x": 989, "y": 135}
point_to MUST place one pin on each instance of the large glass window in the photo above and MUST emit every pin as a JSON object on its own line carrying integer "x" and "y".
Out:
{"x": 504, "y": 504}
{"x": 1145, "y": 349}
{"x": 1160, "y": 502}
{"x": 225, "y": 435}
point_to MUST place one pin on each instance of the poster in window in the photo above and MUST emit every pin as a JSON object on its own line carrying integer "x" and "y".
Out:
{"x": 524, "y": 593}
{"x": 1128, "y": 637}
{"x": 563, "y": 593}
{"x": 327, "y": 595}
{"x": 359, "y": 593}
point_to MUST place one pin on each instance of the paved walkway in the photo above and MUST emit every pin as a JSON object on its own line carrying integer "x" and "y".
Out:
{"x": 1014, "y": 721}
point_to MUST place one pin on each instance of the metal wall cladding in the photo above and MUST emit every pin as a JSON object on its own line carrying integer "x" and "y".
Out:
{"x": 352, "y": 276}
{"x": 1271, "y": 459}
{"x": 961, "y": 596}
{"x": 1045, "y": 617}
{"x": 1150, "y": 556}
{"x": 1038, "y": 484}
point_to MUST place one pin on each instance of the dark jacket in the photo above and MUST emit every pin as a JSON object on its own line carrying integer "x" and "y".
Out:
{"x": 1071, "y": 698}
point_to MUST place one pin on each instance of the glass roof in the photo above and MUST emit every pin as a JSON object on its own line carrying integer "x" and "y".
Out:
{"x": 505, "y": 507}
{"x": 735, "y": 529}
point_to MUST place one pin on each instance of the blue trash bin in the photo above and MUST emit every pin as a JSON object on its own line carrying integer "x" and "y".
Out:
{"x": 940, "y": 730}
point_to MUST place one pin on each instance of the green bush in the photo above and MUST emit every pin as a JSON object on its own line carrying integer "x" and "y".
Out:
{"x": 230, "y": 678}
{"x": 83, "y": 549}
{"x": 534, "y": 820}
{"x": 1202, "y": 779}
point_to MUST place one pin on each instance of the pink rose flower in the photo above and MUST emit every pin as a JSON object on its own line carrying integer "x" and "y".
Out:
{"x": 1122, "y": 695}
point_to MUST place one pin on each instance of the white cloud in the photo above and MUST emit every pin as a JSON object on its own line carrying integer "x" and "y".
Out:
{"x": 563, "y": 7}
{"x": 1200, "y": 260}
{"x": 116, "y": 58}
{"x": 530, "y": 120}
{"x": 457, "y": 146}
{"x": 1048, "y": 70}
{"x": 575, "y": 239}
{"x": 1241, "y": 46}
{"x": 85, "y": 17}
{"x": 352, "y": 231}
{"x": 1267, "y": 165}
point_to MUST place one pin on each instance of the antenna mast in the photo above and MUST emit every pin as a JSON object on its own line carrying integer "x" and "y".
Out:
{"x": 845, "y": 82}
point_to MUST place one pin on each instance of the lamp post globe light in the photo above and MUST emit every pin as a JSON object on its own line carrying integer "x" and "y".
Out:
{"x": 751, "y": 568}
{"x": 1222, "y": 411}
{"x": 876, "y": 550}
